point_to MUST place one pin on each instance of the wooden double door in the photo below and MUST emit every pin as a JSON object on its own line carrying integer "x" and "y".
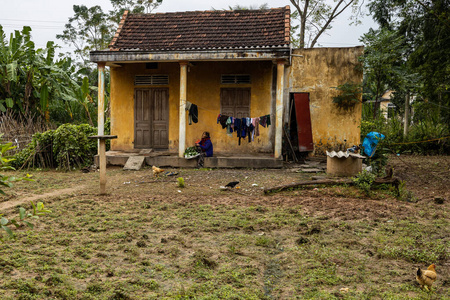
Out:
{"x": 235, "y": 102}
{"x": 151, "y": 118}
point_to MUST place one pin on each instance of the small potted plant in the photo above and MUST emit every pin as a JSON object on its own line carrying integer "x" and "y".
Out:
{"x": 349, "y": 96}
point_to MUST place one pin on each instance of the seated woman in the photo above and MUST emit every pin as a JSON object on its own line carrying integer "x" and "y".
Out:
{"x": 206, "y": 148}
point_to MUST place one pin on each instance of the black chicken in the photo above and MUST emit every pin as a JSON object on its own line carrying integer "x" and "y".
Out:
{"x": 232, "y": 184}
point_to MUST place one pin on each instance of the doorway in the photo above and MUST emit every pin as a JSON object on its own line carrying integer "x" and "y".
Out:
{"x": 151, "y": 118}
{"x": 300, "y": 122}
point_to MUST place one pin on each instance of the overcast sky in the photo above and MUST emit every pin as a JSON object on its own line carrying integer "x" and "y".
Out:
{"x": 47, "y": 18}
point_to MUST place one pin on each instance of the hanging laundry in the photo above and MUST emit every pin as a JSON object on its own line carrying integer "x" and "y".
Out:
{"x": 223, "y": 121}
{"x": 237, "y": 126}
{"x": 193, "y": 111}
{"x": 249, "y": 132}
{"x": 255, "y": 132}
{"x": 243, "y": 130}
{"x": 188, "y": 107}
{"x": 229, "y": 129}
{"x": 243, "y": 127}
{"x": 263, "y": 121}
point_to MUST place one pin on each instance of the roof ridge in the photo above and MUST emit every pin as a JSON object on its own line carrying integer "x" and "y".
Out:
{"x": 287, "y": 7}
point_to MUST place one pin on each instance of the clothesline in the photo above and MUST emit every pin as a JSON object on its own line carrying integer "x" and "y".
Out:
{"x": 244, "y": 127}
{"x": 199, "y": 120}
{"x": 189, "y": 104}
{"x": 203, "y": 108}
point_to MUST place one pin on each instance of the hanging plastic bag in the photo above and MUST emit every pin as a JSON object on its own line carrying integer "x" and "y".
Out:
{"x": 371, "y": 141}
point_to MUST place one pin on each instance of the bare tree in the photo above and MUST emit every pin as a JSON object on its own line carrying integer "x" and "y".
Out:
{"x": 316, "y": 16}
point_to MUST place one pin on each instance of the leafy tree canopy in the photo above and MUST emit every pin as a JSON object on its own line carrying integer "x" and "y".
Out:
{"x": 425, "y": 27}
{"x": 384, "y": 63}
{"x": 251, "y": 7}
{"x": 92, "y": 28}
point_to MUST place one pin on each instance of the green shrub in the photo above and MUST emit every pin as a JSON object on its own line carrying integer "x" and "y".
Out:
{"x": 72, "y": 147}
{"x": 379, "y": 160}
{"x": 428, "y": 131}
{"x": 38, "y": 153}
{"x": 181, "y": 182}
{"x": 364, "y": 181}
{"x": 426, "y": 135}
{"x": 66, "y": 147}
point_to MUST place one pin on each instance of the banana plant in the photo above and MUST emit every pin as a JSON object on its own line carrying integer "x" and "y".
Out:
{"x": 54, "y": 80}
{"x": 16, "y": 56}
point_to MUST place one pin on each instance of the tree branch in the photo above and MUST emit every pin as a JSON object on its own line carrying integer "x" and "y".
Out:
{"x": 330, "y": 19}
{"x": 297, "y": 6}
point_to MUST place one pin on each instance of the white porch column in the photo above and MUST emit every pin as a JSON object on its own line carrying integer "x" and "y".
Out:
{"x": 182, "y": 117}
{"x": 101, "y": 100}
{"x": 279, "y": 110}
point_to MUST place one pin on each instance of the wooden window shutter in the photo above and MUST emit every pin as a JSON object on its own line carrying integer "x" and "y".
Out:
{"x": 235, "y": 102}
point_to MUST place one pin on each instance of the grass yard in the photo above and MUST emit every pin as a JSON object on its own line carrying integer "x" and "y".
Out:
{"x": 150, "y": 239}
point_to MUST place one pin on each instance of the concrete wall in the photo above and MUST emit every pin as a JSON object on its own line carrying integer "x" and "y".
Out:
{"x": 316, "y": 73}
{"x": 203, "y": 89}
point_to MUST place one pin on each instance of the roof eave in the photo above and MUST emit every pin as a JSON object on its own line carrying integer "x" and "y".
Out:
{"x": 251, "y": 54}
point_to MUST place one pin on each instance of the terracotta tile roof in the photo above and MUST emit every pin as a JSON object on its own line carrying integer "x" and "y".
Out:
{"x": 203, "y": 30}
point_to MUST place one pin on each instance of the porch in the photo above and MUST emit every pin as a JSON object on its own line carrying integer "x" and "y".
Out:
{"x": 220, "y": 160}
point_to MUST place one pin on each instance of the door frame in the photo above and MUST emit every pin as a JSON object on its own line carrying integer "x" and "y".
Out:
{"x": 151, "y": 99}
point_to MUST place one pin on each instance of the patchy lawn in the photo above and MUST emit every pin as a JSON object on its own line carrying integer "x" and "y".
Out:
{"x": 150, "y": 239}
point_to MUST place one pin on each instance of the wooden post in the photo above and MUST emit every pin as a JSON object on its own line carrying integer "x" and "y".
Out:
{"x": 102, "y": 159}
{"x": 279, "y": 109}
{"x": 182, "y": 115}
{"x": 102, "y": 162}
{"x": 101, "y": 101}
{"x": 406, "y": 121}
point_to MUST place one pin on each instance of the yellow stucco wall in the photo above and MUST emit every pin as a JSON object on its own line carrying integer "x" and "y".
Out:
{"x": 203, "y": 89}
{"x": 317, "y": 73}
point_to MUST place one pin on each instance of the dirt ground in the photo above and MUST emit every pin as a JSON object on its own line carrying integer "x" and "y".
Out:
{"x": 426, "y": 177}
{"x": 201, "y": 216}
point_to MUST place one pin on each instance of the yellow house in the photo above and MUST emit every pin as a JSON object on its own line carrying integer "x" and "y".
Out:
{"x": 167, "y": 67}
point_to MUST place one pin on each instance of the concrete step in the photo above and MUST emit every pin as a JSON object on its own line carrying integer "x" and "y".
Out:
{"x": 134, "y": 163}
{"x": 162, "y": 159}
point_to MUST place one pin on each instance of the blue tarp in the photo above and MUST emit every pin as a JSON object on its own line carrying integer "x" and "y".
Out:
{"x": 371, "y": 141}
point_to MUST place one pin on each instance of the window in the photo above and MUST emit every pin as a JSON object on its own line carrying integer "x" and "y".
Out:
{"x": 235, "y": 102}
{"x": 391, "y": 110}
{"x": 235, "y": 79}
{"x": 151, "y": 80}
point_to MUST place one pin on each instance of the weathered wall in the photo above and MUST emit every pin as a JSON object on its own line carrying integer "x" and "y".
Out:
{"x": 122, "y": 100}
{"x": 317, "y": 73}
{"x": 203, "y": 89}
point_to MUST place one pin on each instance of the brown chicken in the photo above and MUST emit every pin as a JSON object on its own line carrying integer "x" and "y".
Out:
{"x": 425, "y": 278}
{"x": 156, "y": 170}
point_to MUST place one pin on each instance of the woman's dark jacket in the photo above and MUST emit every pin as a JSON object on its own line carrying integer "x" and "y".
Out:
{"x": 207, "y": 146}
